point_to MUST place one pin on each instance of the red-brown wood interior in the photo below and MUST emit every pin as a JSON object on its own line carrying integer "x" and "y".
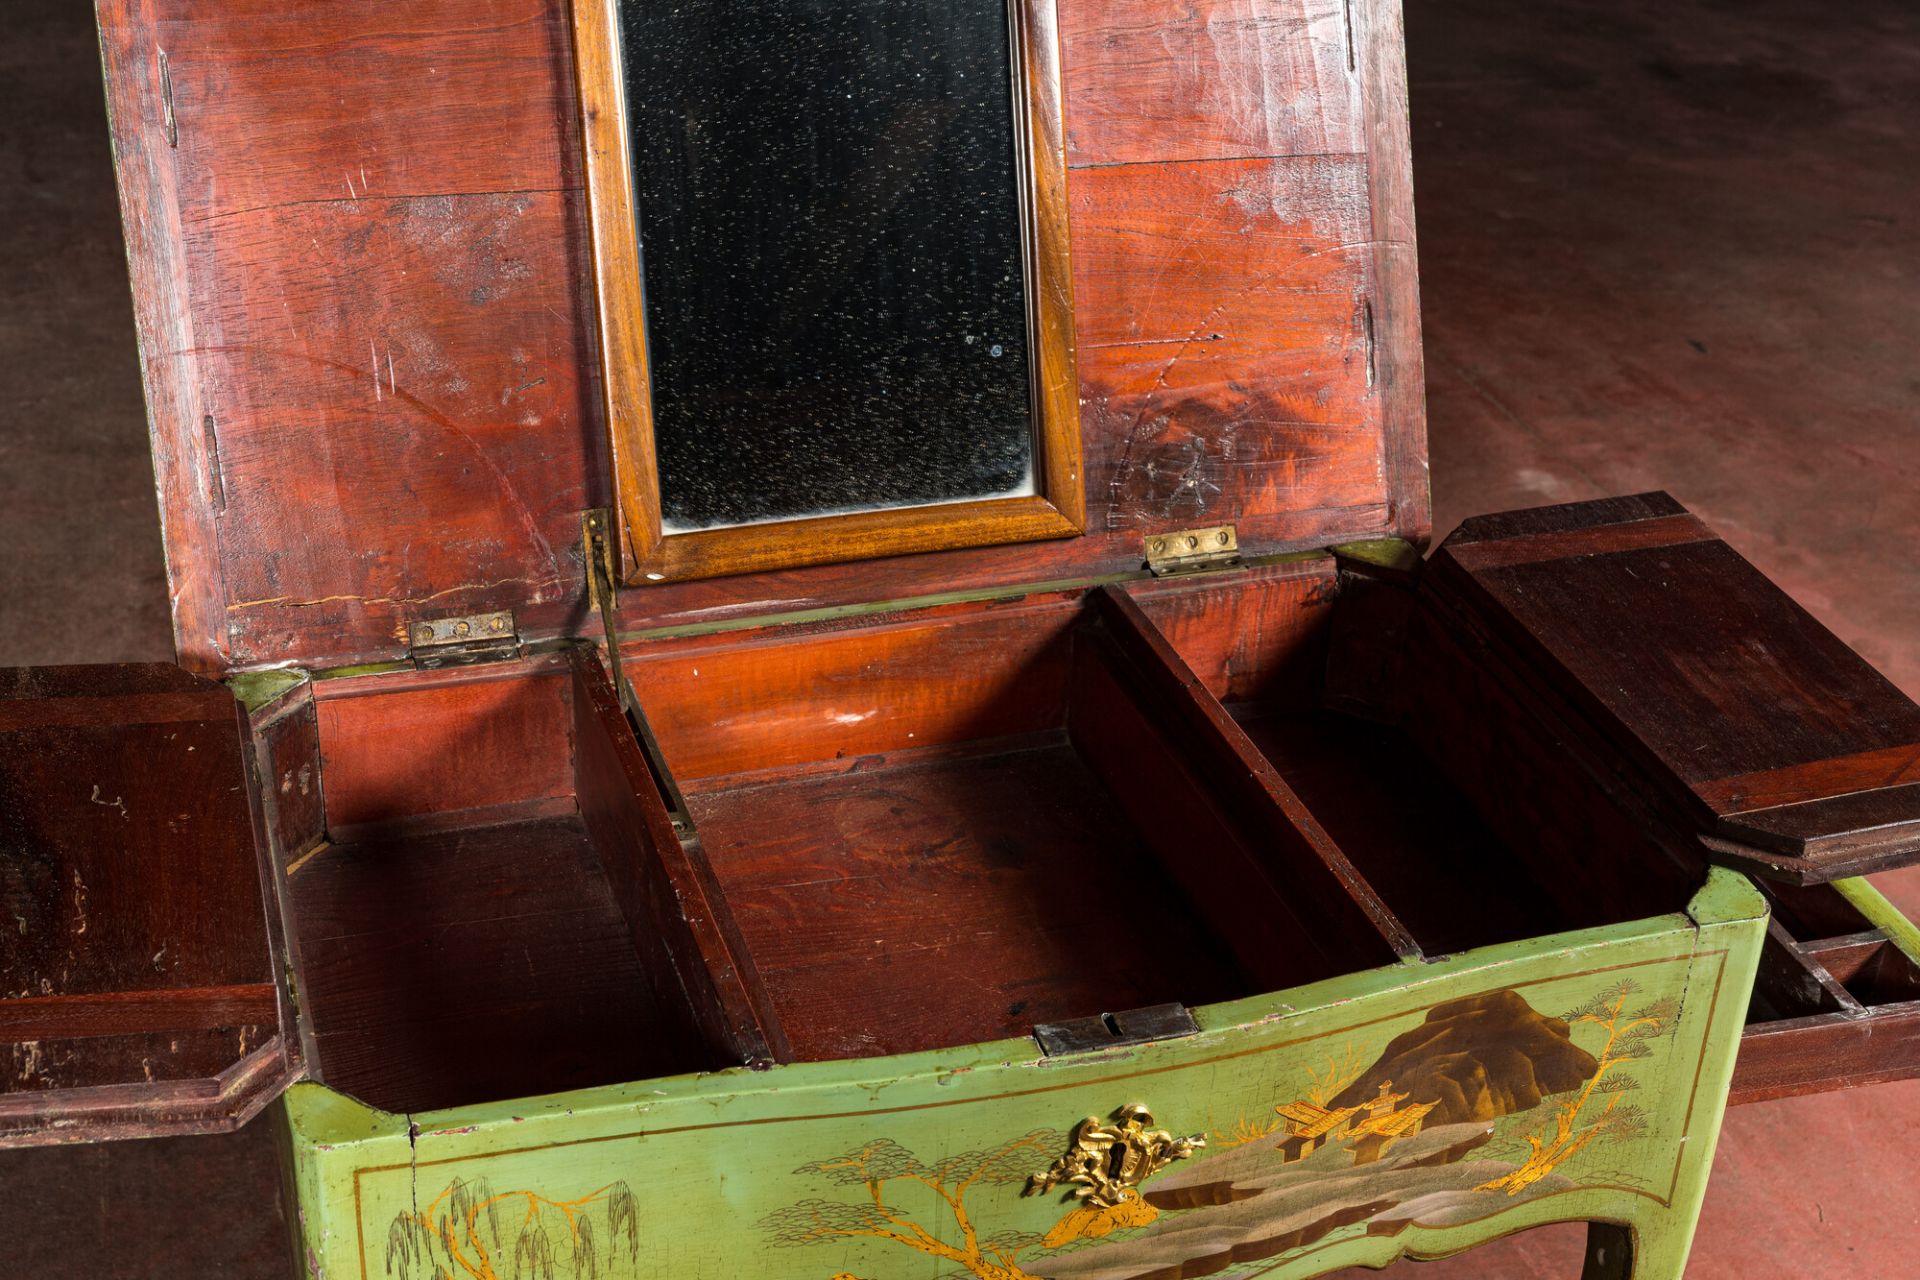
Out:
{"x": 916, "y": 820}
{"x": 127, "y": 823}
{"x": 1835, "y": 1003}
{"x": 1458, "y": 873}
{"x": 501, "y": 907}
{"x": 358, "y": 242}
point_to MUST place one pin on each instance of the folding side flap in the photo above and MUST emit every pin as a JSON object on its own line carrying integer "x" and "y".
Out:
{"x": 1786, "y": 752}
{"x": 138, "y": 982}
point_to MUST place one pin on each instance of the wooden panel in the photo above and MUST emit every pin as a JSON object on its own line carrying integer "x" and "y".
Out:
{"x": 368, "y": 358}
{"x": 461, "y": 739}
{"x": 1588, "y": 838}
{"x": 1221, "y": 79}
{"x": 361, "y": 279}
{"x": 682, "y": 928}
{"x": 382, "y": 453}
{"x": 26, "y": 1019}
{"x": 1837, "y": 1002}
{"x": 783, "y": 698}
{"x": 908, "y": 906}
{"x": 286, "y": 738}
{"x": 1792, "y": 755}
{"x": 1224, "y": 348}
{"x": 127, "y": 828}
{"x": 1254, "y": 636}
{"x": 1236, "y": 872}
{"x": 1297, "y": 849}
{"x": 1826, "y": 1051}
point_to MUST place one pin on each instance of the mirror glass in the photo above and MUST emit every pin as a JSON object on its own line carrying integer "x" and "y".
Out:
{"x": 830, "y": 240}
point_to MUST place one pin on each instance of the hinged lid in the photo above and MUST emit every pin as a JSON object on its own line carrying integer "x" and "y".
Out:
{"x": 139, "y": 992}
{"x": 1784, "y": 749}
{"x": 369, "y": 328}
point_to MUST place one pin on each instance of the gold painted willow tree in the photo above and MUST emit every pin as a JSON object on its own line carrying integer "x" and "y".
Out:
{"x": 468, "y": 1232}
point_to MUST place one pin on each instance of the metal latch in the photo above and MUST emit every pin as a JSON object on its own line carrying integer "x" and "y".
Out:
{"x": 1111, "y": 1030}
{"x": 463, "y": 641}
{"x": 1193, "y": 551}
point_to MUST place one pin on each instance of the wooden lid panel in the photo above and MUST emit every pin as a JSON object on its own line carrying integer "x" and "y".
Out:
{"x": 359, "y": 245}
{"x": 1792, "y": 754}
{"x": 138, "y": 991}
{"x": 360, "y": 284}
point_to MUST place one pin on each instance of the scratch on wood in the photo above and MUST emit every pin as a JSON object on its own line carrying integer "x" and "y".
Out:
{"x": 1371, "y": 348}
{"x": 293, "y": 602}
{"x": 216, "y": 482}
{"x": 167, "y": 118}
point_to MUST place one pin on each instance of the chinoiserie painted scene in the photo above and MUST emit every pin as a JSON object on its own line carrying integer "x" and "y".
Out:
{"x": 1282, "y": 1145}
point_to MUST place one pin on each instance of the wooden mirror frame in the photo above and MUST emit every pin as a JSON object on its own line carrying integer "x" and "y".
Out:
{"x": 1057, "y": 508}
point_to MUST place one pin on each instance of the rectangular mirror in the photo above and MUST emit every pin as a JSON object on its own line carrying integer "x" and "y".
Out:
{"x": 831, "y": 259}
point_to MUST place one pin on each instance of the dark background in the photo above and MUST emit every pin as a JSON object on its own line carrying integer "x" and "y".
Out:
{"x": 1664, "y": 243}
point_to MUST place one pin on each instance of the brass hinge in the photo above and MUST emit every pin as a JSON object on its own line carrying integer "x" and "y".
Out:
{"x": 1193, "y": 551}
{"x": 463, "y": 641}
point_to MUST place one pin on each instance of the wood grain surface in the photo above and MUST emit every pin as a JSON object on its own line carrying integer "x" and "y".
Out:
{"x": 1786, "y": 750}
{"x": 128, "y": 830}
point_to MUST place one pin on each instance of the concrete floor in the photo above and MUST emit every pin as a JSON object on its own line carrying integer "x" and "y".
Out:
{"x": 1664, "y": 243}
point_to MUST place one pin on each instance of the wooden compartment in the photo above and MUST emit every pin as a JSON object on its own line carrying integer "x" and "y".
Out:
{"x": 914, "y": 821}
{"x": 1274, "y": 647}
{"x": 484, "y": 904}
{"x": 1836, "y": 1001}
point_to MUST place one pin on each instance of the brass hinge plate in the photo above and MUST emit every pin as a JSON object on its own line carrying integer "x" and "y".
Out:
{"x": 1193, "y": 551}
{"x": 463, "y": 641}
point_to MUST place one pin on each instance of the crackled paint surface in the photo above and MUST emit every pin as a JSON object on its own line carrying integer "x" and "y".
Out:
{"x": 1419, "y": 1109}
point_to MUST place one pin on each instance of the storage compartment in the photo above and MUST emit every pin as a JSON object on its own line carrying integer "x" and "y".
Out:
{"x": 484, "y": 916}
{"x": 1836, "y": 1001}
{"x": 1486, "y": 798}
{"x": 1312, "y": 677}
{"x": 951, "y": 825}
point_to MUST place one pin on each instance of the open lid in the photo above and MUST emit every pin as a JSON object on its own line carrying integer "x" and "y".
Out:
{"x": 369, "y": 329}
{"x": 138, "y": 993}
{"x": 1788, "y": 753}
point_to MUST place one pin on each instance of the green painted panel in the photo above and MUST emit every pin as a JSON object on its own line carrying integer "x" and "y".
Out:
{"x": 1422, "y": 1107}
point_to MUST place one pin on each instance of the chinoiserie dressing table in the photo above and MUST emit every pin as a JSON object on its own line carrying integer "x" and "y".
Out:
{"x": 804, "y": 652}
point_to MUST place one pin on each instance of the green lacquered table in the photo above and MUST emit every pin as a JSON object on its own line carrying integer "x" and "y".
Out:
{"x": 1579, "y": 1077}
